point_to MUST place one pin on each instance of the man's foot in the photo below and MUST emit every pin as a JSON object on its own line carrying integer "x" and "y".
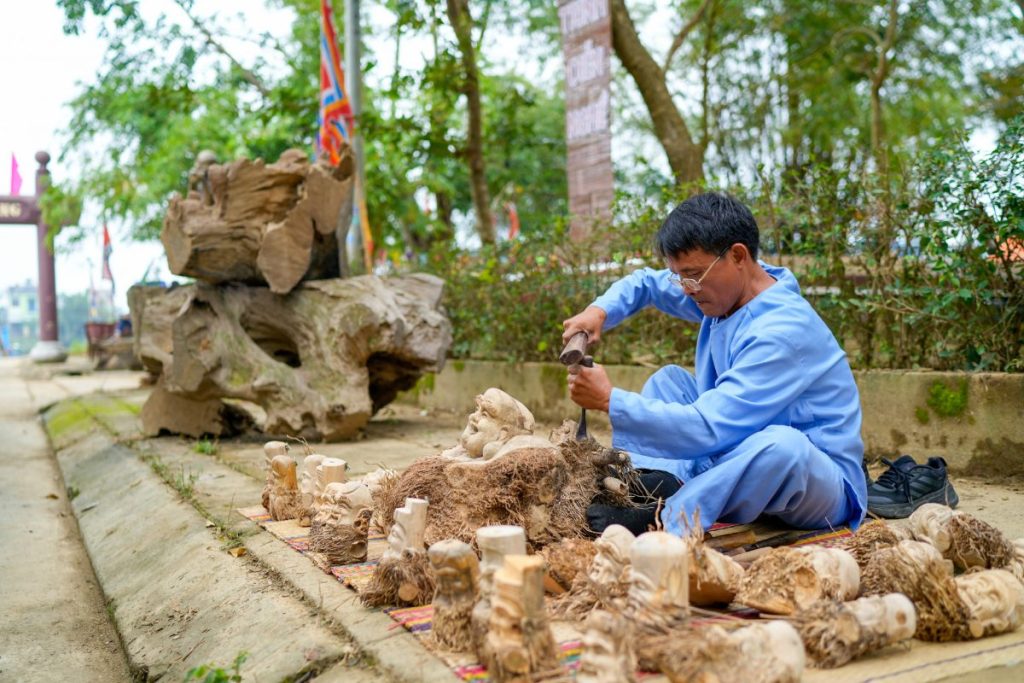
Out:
{"x": 906, "y": 486}
{"x": 637, "y": 520}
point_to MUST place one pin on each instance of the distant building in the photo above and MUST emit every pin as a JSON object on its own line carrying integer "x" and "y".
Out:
{"x": 19, "y": 317}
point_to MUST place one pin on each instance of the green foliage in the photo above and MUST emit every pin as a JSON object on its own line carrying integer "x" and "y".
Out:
{"x": 210, "y": 673}
{"x": 205, "y": 447}
{"x": 922, "y": 415}
{"x": 947, "y": 401}
{"x": 508, "y": 302}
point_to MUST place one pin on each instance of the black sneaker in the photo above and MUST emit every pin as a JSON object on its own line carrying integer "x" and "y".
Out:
{"x": 906, "y": 486}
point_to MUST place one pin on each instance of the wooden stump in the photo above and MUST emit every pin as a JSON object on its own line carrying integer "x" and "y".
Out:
{"x": 258, "y": 223}
{"x": 320, "y": 361}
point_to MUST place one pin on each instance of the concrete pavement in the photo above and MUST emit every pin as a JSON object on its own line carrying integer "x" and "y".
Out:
{"x": 53, "y": 620}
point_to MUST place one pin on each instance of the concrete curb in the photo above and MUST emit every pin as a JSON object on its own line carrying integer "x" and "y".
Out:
{"x": 974, "y": 420}
{"x": 314, "y": 608}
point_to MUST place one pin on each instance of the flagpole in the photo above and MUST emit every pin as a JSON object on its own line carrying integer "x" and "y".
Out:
{"x": 354, "y": 86}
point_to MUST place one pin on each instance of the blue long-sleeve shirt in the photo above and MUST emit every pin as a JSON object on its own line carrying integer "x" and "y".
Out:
{"x": 772, "y": 362}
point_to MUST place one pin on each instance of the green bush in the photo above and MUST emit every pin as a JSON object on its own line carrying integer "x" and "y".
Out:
{"x": 913, "y": 270}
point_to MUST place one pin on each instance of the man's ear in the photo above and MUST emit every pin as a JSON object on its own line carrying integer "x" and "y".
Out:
{"x": 738, "y": 253}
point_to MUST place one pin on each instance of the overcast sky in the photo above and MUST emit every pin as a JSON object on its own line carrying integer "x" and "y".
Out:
{"x": 41, "y": 67}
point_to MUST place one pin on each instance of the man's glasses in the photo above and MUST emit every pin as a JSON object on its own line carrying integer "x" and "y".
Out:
{"x": 688, "y": 283}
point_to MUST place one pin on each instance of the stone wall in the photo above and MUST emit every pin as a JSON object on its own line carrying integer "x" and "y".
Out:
{"x": 974, "y": 420}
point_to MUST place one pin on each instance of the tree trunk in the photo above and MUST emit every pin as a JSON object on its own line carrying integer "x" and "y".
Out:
{"x": 462, "y": 23}
{"x": 685, "y": 157}
{"x": 256, "y": 223}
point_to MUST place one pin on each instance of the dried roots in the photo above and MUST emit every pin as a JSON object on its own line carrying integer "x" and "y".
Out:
{"x": 918, "y": 571}
{"x": 341, "y": 543}
{"x": 544, "y": 490}
{"x": 568, "y": 560}
{"x": 404, "y": 581}
{"x": 872, "y": 537}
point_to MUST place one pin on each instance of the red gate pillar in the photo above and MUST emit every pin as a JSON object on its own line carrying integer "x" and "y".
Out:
{"x": 47, "y": 348}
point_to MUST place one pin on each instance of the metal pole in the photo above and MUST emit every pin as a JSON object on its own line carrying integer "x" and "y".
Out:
{"x": 354, "y": 86}
{"x": 47, "y": 348}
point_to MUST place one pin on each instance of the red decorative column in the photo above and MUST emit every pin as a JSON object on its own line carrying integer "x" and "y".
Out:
{"x": 47, "y": 348}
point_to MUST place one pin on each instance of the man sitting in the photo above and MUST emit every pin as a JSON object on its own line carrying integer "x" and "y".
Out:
{"x": 770, "y": 421}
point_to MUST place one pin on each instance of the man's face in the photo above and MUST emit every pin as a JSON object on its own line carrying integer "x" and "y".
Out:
{"x": 721, "y": 285}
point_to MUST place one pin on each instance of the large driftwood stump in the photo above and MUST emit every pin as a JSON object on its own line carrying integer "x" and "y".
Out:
{"x": 320, "y": 361}
{"x": 256, "y": 223}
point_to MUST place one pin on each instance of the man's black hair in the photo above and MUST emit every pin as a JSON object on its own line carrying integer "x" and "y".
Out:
{"x": 711, "y": 222}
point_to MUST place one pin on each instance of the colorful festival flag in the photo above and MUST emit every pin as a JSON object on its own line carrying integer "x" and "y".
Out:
{"x": 336, "y": 120}
{"x": 15, "y": 177}
{"x": 108, "y": 249}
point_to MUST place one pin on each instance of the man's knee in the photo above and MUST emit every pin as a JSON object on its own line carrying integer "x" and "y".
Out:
{"x": 778, "y": 448}
{"x": 670, "y": 383}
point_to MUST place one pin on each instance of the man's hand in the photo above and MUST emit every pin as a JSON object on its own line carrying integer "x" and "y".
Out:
{"x": 590, "y": 388}
{"x": 590, "y": 321}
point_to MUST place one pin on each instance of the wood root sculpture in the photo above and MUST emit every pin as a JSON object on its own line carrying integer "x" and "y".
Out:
{"x": 545, "y": 490}
{"x": 714, "y": 578}
{"x": 520, "y": 645}
{"x": 760, "y": 653}
{"x": 871, "y": 537}
{"x": 456, "y": 575}
{"x": 495, "y": 543}
{"x": 966, "y": 540}
{"x": 605, "y": 584}
{"x": 341, "y": 524}
{"x": 319, "y": 361}
{"x": 657, "y": 603}
{"x": 920, "y": 572}
{"x": 403, "y": 576}
{"x": 247, "y": 221}
{"x": 608, "y": 655}
{"x": 284, "y": 500}
{"x": 270, "y": 450}
{"x": 790, "y": 579}
{"x": 835, "y": 633}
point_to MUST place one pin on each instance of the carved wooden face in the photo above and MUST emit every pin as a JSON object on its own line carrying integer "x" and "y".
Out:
{"x": 397, "y": 537}
{"x": 497, "y": 419}
{"x": 343, "y": 502}
{"x": 612, "y": 554}
{"x": 283, "y": 468}
{"x": 991, "y": 595}
{"x": 456, "y": 572}
{"x": 604, "y": 641}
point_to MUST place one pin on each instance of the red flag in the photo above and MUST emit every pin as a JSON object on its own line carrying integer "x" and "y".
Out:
{"x": 15, "y": 177}
{"x": 513, "y": 220}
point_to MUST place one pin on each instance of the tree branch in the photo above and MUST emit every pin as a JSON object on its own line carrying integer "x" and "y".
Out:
{"x": 677, "y": 42}
{"x": 247, "y": 74}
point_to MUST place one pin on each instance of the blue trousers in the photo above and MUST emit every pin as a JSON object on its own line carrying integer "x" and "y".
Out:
{"x": 776, "y": 471}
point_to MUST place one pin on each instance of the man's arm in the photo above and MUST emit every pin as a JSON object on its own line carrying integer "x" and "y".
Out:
{"x": 767, "y": 375}
{"x": 643, "y": 288}
{"x": 628, "y": 296}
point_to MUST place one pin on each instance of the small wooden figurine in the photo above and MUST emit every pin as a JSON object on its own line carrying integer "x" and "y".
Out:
{"x": 342, "y": 522}
{"x": 285, "y": 501}
{"x": 608, "y": 655}
{"x": 271, "y": 449}
{"x": 495, "y": 542}
{"x": 403, "y": 575}
{"x": 520, "y": 646}
{"x": 456, "y": 575}
{"x": 307, "y": 486}
{"x": 835, "y": 633}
